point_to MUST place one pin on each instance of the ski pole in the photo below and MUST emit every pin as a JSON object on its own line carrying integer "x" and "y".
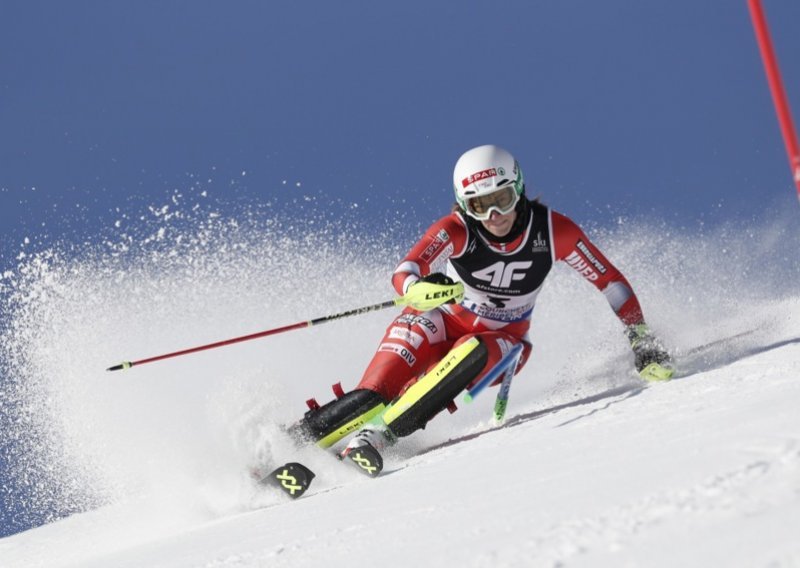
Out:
{"x": 506, "y": 364}
{"x": 402, "y": 300}
{"x": 501, "y": 402}
{"x": 423, "y": 296}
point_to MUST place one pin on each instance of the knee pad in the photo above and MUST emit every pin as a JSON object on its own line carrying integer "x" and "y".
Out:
{"x": 433, "y": 392}
{"x": 333, "y": 421}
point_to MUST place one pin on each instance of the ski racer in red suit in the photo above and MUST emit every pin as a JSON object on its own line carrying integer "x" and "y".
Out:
{"x": 492, "y": 254}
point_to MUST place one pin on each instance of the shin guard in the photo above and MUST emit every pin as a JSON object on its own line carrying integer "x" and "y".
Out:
{"x": 333, "y": 421}
{"x": 434, "y": 392}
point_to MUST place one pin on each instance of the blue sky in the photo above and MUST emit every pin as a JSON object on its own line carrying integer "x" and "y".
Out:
{"x": 633, "y": 108}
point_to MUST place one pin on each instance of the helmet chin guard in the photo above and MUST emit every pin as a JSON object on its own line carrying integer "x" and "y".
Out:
{"x": 483, "y": 171}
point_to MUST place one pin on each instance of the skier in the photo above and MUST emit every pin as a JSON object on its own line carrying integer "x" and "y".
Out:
{"x": 471, "y": 283}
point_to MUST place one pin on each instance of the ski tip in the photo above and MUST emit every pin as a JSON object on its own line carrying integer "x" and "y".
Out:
{"x": 367, "y": 459}
{"x": 121, "y": 366}
{"x": 293, "y": 479}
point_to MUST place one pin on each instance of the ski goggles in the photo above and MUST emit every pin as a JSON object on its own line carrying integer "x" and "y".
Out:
{"x": 503, "y": 201}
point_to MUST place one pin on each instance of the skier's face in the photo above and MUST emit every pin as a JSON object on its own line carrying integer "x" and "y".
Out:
{"x": 500, "y": 225}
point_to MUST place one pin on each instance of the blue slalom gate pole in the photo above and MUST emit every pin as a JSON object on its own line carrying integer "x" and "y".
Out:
{"x": 506, "y": 366}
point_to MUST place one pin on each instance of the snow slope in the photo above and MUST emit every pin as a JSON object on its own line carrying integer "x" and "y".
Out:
{"x": 592, "y": 468}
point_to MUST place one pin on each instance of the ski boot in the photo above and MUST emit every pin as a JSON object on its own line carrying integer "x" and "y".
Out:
{"x": 364, "y": 449}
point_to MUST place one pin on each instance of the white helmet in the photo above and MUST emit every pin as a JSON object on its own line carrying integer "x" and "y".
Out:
{"x": 486, "y": 179}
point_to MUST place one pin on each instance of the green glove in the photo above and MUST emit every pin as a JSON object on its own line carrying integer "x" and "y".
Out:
{"x": 653, "y": 362}
{"x": 432, "y": 291}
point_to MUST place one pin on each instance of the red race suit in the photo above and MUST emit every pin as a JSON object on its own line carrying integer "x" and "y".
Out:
{"x": 501, "y": 283}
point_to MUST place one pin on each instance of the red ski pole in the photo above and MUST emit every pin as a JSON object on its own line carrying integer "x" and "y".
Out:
{"x": 383, "y": 305}
{"x": 776, "y": 87}
{"x": 422, "y": 296}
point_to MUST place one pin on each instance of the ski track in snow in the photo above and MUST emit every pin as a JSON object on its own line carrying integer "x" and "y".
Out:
{"x": 592, "y": 468}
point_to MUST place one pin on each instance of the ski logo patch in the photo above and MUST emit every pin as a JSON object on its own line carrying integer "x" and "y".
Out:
{"x": 435, "y": 248}
{"x": 364, "y": 463}
{"x": 405, "y": 334}
{"x": 291, "y": 478}
{"x": 407, "y": 356}
{"x": 367, "y": 459}
{"x": 478, "y": 176}
{"x": 412, "y": 319}
{"x": 289, "y": 482}
{"x": 501, "y": 274}
{"x": 591, "y": 258}
{"x": 540, "y": 244}
{"x": 584, "y": 269}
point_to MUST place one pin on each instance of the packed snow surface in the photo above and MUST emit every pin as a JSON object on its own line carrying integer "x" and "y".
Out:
{"x": 148, "y": 467}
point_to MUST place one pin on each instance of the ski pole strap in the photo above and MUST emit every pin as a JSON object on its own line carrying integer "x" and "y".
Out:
{"x": 507, "y": 363}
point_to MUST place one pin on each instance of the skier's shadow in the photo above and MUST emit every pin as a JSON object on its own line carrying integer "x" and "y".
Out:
{"x": 723, "y": 352}
{"x": 710, "y": 356}
{"x": 612, "y": 396}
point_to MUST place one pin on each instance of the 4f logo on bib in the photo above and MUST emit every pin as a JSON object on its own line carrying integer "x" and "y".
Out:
{"x": 501, "y": 275}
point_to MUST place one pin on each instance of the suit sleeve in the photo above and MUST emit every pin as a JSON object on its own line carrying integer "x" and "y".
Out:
{"x": 573, "y": 247}
{"x": 445, "y": 238}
